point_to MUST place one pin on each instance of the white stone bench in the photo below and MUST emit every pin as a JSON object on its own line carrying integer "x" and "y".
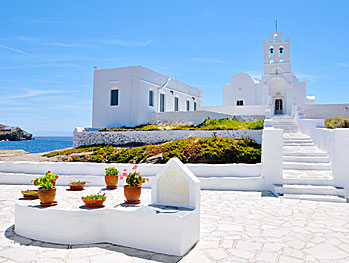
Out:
{"x": 170, "y": 225}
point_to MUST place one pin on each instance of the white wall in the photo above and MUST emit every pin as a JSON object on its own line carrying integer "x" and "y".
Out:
{"x": 154, "y": 137}
{"x": 251, "y": 110}
{"x": 241, "y": 87}
{"x": 324, "y": 111}
{"x": 212, "y": 176}
{"x": 333, "y": 141}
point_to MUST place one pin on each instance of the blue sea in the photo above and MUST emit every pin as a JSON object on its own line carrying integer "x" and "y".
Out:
{"x": 40, "y": 144}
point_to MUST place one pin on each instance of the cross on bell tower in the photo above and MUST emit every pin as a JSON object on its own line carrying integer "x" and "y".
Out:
{"x": 276, "y": 54}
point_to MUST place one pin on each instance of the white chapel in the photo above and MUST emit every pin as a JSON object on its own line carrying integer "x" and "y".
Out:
{"x": 278, "y": 88}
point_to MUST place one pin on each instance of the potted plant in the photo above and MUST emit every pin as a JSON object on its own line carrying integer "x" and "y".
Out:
{"x": 77, "y": 185}
{"x": 30, "y": 194}
{"x": 96, "y": 200}
{"x": 111, "y": 177}
{"x": 46, "y": 192}
{"x": 52, "y": 177}
{"x": 132, "y": 190}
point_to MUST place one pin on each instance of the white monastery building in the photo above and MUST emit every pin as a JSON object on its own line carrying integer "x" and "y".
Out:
{"x": 131, "y": 96}
{"x": 128, "y": 96}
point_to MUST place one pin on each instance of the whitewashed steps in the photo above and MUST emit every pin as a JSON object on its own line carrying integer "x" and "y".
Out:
{"x": 307, "y": 159}
{"x": 322, "y": 198}
{"x": 309, "y": 189}
{"x": 307, "y": 166}
{"x": 303, "y": 144}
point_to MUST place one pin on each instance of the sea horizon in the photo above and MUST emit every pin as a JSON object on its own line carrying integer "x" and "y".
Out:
{"x": 40, "y": 144}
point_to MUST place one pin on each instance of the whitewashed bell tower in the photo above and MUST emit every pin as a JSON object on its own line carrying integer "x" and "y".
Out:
{"x": 277, "y": 55}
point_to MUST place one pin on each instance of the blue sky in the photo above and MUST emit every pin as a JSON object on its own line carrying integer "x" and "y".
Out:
{"x": 48, "y": 50}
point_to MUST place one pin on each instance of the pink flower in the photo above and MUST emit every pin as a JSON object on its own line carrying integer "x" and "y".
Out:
{"x": 79, "y": 181}
{"x": 124, "y": 174}
{"x": 139, "y": 173}
{"x": 27, "y": 189}
{"x": 121, "y": 178}
{"x": 104, "y": 194}
{"x": 147, "y": 179}
{"x": 49, "y": 172}
{"x": 124, "y": 170}
{"x": 135, "y": 167}
{"x": 56, "y": 176}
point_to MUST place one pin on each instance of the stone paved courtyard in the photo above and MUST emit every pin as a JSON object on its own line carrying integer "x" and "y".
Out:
{"x": 235, "y": 227}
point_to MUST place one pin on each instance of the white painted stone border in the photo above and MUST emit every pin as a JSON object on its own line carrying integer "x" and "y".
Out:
{"x": 155, "y": 137}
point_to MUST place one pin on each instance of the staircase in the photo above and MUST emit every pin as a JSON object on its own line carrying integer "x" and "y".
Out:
{"x": 307, "y": 171}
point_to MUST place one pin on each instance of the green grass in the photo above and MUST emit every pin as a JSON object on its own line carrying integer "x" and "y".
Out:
{"x": 337, "y": 122}
{"x": 193, "y": 150}
{"x": 209, "y": 124}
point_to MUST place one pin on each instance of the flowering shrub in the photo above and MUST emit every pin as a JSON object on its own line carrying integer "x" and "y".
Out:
{"x": 45, "y": 182}
{"x": 94, "y": 197}
{"x": 78, "y": 182}
{"x": 111, "y": 171}
{"x": 134, "y": 178}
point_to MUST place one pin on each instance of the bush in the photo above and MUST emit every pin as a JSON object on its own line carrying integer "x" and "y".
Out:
{"x": 193, "y": 150}
{"x": 209, "y": 124}
{"x": 337, "y": 122}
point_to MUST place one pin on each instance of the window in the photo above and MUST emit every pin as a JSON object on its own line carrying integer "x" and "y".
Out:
{"x": 114, "y": 97}
{"x": 271, "y": 52}
{"x": 162, "y": 102}
{"x": 275, "y": 38}
{"x": 281, "y": 61}
{"x": 151, "y": 98}
{"x": 281, "y": 52}
{"x": 194, "y": 106}
{"x": 239, "y": 103}
{"x": 176, "y": 103}
{"x": 188, "y": 105}
{"x": 271, "y": 61}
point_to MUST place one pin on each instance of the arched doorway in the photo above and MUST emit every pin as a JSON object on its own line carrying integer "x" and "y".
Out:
{"x": 277, "y": 92}
{"x": 279, "y": 106}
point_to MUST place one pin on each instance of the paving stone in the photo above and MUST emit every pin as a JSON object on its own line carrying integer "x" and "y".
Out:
{"x": 244, "y": 227}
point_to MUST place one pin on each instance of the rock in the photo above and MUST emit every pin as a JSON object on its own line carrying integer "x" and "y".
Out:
{"x": 157, "y": 158}
{"x": 14, "y": 134}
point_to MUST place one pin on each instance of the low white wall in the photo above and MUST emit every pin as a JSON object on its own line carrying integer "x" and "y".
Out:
{"x": 333, "y": 141}
{"x": 212, "y": 176}
{"x": 324, "y": 111}
{"x": 154, "y": 137}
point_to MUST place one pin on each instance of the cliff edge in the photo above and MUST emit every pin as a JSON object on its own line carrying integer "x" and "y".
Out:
{"x": 14, "y": 134}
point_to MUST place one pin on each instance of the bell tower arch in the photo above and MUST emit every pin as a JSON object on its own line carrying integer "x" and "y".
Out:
{"x": 277, "y": 54}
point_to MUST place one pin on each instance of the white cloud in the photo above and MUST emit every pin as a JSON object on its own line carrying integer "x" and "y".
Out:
{"x": 32, "y": 93}
{"x": 128, "y": 44}
{"x": 14, "y": 49}
{"x": 59, "y": 44}
{"x": 210, "y": 60}
{"x": 342, "y": 64}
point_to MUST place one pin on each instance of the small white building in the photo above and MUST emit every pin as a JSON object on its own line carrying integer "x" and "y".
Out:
{"x": 279, "y": 89}
{"x": 129, "y": 96}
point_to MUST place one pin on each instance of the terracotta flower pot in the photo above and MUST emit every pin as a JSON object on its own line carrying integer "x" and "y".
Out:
{"x": 132, "y": 193}
{"x": 93, "y": 203}
{"x": 76, "y": 187}
{"x": 30, "y": 195}
{"x": 47, "y": 195}
{"x": 111, "y": 181}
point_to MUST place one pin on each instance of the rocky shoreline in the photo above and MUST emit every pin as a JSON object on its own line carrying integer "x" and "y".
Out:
{"x": 14, "y": 134}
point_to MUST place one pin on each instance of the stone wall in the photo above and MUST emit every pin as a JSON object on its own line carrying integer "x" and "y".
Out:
{"x": 154, "y": 137}
{"x": 324, "y": 111}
